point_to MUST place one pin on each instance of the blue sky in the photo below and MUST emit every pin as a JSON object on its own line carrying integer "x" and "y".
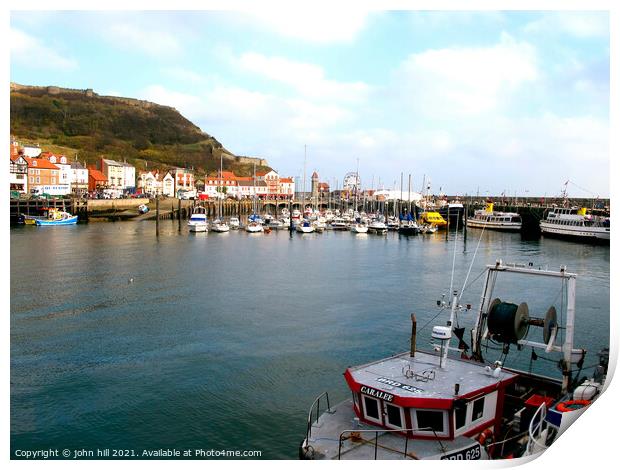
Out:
{"x": 476, "y": 101}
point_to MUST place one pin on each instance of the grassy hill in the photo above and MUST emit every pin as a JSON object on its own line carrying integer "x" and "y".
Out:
{"x": 82, "y": 122}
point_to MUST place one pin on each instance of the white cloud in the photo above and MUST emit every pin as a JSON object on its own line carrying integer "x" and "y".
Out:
{"x": 155, "y": 42}
{"x": 320, "y": 25}
{"x": 457, "y": 81}
{"x": 580, "y": 24}
{"x": 29, "y": 51}
{"x": 308, "y": 79}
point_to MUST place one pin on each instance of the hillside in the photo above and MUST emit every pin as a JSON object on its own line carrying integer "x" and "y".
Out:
{"x": 83, "y": 122}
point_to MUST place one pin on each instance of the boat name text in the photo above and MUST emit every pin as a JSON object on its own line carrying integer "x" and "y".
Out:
{"x": 377, "y": 393}
{"x": 394, "y": 383}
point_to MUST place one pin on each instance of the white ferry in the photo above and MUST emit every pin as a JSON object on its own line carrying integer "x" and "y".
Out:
{"x": 429, "y": 405}
{"x": 576, "y": 224}
{"x": 493, "y": 220}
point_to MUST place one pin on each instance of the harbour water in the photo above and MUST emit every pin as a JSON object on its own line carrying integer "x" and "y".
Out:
{"x": 120, "y": 340}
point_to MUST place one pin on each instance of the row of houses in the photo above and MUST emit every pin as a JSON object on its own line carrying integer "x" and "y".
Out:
{"x": 34, "y": 171}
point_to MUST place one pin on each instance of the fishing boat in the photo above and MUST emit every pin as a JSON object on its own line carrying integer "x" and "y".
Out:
{"x": 576, "y": 224}
{"x": 432, "y": 218}
{"x": 452, "y": 212}
{"x": 198, "y": 220}
{"x": 493, "y": 220}
{"x": 454, "y": 403}
{"x": 304, "y": 226}
{"x": 234, "y": 223}
{"x": 56, "y": 217}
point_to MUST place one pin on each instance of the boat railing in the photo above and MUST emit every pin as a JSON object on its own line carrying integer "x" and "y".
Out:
{"x": 315, "y": 410}
{"x": 356, "y": 434}
{"x": 536, "y": 429}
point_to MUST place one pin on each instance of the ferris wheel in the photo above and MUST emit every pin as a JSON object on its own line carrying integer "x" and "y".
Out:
{"x": 351, "y": 181}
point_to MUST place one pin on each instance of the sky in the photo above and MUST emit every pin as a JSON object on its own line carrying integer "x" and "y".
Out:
{"x": 488, "y": 102}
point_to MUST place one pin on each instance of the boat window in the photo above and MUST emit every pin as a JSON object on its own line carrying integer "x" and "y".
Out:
{"x": 460, "y": 413}
{"x": 430, "y": 419}
{"x": 371, "y": 409}
{"x": 478, "y": 409}
{"x": 394, "y": 415}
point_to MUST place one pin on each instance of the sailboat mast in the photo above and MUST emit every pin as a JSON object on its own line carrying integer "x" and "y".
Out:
{"x": 303, "y": 192}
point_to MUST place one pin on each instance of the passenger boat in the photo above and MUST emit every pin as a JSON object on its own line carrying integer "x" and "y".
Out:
{"x": 493, "y": 220}
{"x": 198, "y": 220}
{"x": 304, "y": 226}
{"x": 56, "y": 217}
{"x": 576, "y": 224}
{"x": 462, "y": 405}
{"x": 432, "y": 218}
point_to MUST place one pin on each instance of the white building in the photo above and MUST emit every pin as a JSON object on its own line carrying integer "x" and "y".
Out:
{"x": 18, "y": 176}
{"x": 78, "y": 178}
{"x": 168, "y": 185}
{"x": 226, "y": 184}
{"x": 121, "y": 175}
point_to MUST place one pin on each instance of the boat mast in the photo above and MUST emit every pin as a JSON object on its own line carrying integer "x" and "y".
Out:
{"x": 357, "y": 178}
{"x": 303, "y": 204}
{"x": 409, "y": 195}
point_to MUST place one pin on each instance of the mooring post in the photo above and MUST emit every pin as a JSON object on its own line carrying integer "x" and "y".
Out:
{"x": 179, "y": 214}
{"x": 157, "y": 216}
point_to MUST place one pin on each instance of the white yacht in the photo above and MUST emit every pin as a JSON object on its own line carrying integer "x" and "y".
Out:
{"x": 493, "y": 220}
{"x": 358, "y": 227}
{"x": 234, "y": 223}
{"x": 219, "y": 226}
{"x": 198, "y": 220}
{"x": 378, "y": 227}
{"x": 254, "y": 227}
{"x": 576, "y": 224}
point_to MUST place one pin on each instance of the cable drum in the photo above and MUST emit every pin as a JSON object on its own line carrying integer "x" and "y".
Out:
{"x": 507, "y": 323}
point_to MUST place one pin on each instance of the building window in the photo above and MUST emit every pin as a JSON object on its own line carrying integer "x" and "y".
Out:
{"x": 38, "y": 179}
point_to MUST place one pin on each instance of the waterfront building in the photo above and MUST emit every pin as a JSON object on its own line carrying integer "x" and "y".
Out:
{"x": 227, "y": 185}
{"x": 149, "y": 182}
{"x": 97, "y": 181}
{"x": 183, "y": 179}
{"x": 31, "y": 151}
{"x": 120, "y": 175}
{"x": 18, "y": 176}
{"x": 168, "y": 185}
{"x": 44, "y": 177}
{"x": 78, "y": 178}
{"x": 64, "y": 168}
{"x": 287, "y": 187}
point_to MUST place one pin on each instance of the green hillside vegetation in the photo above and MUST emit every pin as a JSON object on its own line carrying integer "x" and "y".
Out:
{"x": 83, "y": 123}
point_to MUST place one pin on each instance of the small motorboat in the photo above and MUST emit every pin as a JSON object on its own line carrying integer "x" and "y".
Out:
{"x": 254, "y": 227}
{"x": 234, "y": 223}
{"x": 57, "y": 217}
{"x": 143, "y": 208}
{"x": 358, "y": 227}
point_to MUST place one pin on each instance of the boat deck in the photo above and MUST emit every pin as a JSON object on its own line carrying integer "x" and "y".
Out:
{"x": 424, "y": 378}
{"x": 358, "y": 440}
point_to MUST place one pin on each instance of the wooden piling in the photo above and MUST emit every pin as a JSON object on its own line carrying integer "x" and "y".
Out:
{"x": 157, "y": 216}
{"x": 179, "y": 215}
